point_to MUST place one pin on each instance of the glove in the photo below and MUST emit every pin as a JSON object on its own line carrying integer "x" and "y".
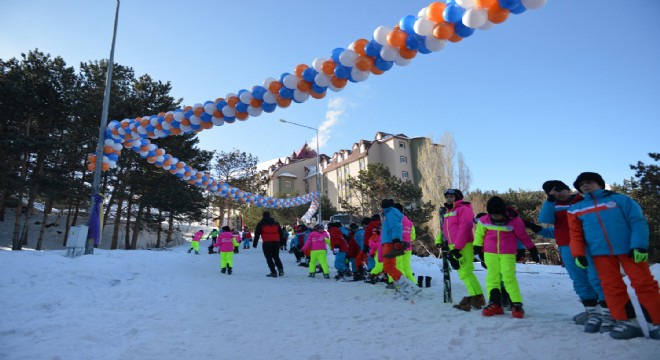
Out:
{"x": 455, "y": 264}
{"x": 479, "y": 251}
{"x": 455, "y": 253}
{"x": 532, "y": 226}
{"x": 534, "y": 253}
{"x": 581, "y": 262}
{"x": 520, "y": 254}
{"x": 551, "y": 198}
{"x": 639, "y": 255}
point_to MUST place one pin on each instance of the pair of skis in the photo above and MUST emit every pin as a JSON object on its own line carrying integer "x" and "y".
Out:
{"x": 445, "y": 262}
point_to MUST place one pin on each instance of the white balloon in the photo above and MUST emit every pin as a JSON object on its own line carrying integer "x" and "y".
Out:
{"x": 401, "y": 61}
{"x": 254, "y": 111}
{"x": 167, "y": 167}
{"x": 423, "y": 12}
{"x": 359, "y": 75}
{"x": 334, "y": 88}
{"x": 217, "y": 121}
{"x": 108, "y": 142}
{"x": 290, "y": 81}
{"x": 322, "y": 79}
{"x": 165, "y": 125}
{"x": 178, "y": 116}
{"x": 141, "y": 130}
{"x": 423, "y": 26}
{"x": 245, "y": 97}
{"x": 388, "y": 53}
{"x": 159, "y": 133}
{"x": 317, "y": 63}
{"x": 121, "y": 131}
{"x": 466, "y": 4}
{"x": 487, "y": 26}
{"x": 228, "y": 111}
{"x": 196, "y": 120}
{"x": 533, "y": 4}
{"x": 185, "y": 128}
{"x": 210, "y": 108}
{"x": 347, "y": 58}
{"x": 475, "y": 17}
{"x": 300, "y": 96}
{"x": 434, "y": 44}
{"x": 151, "y": 147}
{"x": 380, "y": 34}
{"x": 117, "y": 146}
{"x": 267, "y": 81}
{"x": 269, "y": 97}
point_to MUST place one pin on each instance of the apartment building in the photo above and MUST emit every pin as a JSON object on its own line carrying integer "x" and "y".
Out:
{"x": 296, "y": 174}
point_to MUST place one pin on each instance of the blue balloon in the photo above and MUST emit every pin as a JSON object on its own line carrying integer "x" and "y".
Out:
{"x": 286, "y": 93}
{"x": 422, "y": 47}
{"x": 241, "y": 106}
{"x": 413, "y": 42}
{"x": 220, "y": 105}
{"x": 509, "y": 4}
{"x": 407, "y": 24}
{"x": 150, "y": 128}
{"x": 175, "y": 124}
{"x": 453, "y": 13}
{"x": 188, "y": 114}
{"x": 319, "y": 89}
{"x": 335, "y": 54}
{"x": 206, "y": 117}
{"x": 373, "y": 48}
{"x": 269, "y": 108}
{"x": 342, "y": 71}
{"x": 258, "y": 92}
{"x": 309, "y": 74}
{"x": 195, "y": 126}
{"x": 230, "y": 119}
{"x": 462, "y": 30}
{"x": 241, "y": 92}
{"x": 283, "y": 76}
{"x": 518, "y": 10}
{"x": 383, "y": 65}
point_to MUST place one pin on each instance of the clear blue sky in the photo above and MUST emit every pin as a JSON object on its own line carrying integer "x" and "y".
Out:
{"x": 571, "y": 87}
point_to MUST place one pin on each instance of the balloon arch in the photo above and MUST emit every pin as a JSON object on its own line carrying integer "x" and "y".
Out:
{"x": 425, "y": 33}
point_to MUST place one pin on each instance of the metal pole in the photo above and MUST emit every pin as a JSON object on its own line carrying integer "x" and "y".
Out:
{"x": 319, "y": 177}
{"x": 89, "y": 246}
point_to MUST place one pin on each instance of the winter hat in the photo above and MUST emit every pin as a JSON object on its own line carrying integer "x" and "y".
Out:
{"x": 496, "y": 205}
{"x": 554, "y": 184}
{"x": 386, "y": 203}
{"x": 399, "y": 207}
{"x": 353, "y": 226}
{"x": 457, "y": 193}
{"x": 266, "y": 214}
{"x": 225, "y": 228}
{"x": 589, "y": 176}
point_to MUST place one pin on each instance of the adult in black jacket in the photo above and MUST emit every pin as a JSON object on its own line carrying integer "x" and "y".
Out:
{"x": 270, "y": 233}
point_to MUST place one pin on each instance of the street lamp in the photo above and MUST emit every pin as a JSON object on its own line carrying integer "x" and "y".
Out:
{"x": 319, "y": 182}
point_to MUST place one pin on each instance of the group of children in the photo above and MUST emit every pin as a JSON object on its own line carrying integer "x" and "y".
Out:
{"x": 227, "y": 241}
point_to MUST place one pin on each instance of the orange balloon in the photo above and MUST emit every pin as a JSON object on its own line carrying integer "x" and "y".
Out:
{"x": 328, "y": 67}
{"x": 443, "y": 30}
{"x": 157, "y": 126}
{"x": 359, "y": 44}
{"x": 179, "y": 165}
{"x": 159, "y": 152}
{"x": 175, "y": 131}
{"x": 169, "y": 118}
{"x": 198, "y": 111}
{"x": 172, "y": 171}
{"x": 364, "y": 62}
{"x": 485, "y": 4}
{"x": 105, "y": 166}
{"x": 275, "y": 87}
{"x": 304, "y": 86}
{"x": 167, "y": 162}
{"x": 282, "y": 102}
{"x": 407, "y": 53}
{"x": 145, "y": 122}
{"x": 108, "y": 149}
{"x": 218, "y": 114}
{"x": 337, "y": 82}
{"x": 435, "y": 11}
{"x": 241, "y": 115}
{"x": 255, "y": 102}
{"x": 376, "y": 71}
{"x": 316, "y": 95}
{"x": 455, "y": 38}
{"x": 124, "y": 124}
{"x": 396, "y": 38}
{"x": 91, "y": 166}
{"x": 232, "y": 101}
{"x": 187, "y": 108}
{"x": 185, "y": 122}
{"x": 496, "y": 14}
{"x": 207, "y": 125}
{"x": 299, "y": 70}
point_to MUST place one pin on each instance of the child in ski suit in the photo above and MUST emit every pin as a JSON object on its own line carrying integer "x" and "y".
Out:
{"x": 214, "y": 238}
{"x": 194, "y": 244}
{"x": 339, "y": 248}
{"x": 497, "y": 234}
{"x": 368, "y": 232}
{"x": 409, "y": 235}
{"x": 316, "y": 246}
{"x": 457, "y": 227}
{"x": 225, "y": 244}
{"x": 612, "y": 228}
{"x": 585, "y": 282}
{"x": 392, "y": 246}
{"x": 246, "y": 238}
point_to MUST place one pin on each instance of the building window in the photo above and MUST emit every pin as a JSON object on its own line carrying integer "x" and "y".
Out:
{"x": 346, "y": 171}
{"x": 404, "y": 174}
{"x": 361, "y": 163}
{"x": 287, "y": 183}
{"x": 404, "y": 159}
{"x": 402, "y": 145}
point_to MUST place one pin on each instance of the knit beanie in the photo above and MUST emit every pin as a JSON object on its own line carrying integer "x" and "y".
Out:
{"x": 554, "y": 184}
{"x": 589, "y": 176}
{"x": 458, "y": 195}
{"x": 496, "y": 205}
{"x": 386, "y": 203}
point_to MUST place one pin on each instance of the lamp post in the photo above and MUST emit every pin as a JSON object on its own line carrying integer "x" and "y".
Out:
{"x": 319, "y": 181}
{"x": 89, "y": 246}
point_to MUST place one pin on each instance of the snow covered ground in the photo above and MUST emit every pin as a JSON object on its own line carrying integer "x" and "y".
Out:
{"x": 173, "y": 305}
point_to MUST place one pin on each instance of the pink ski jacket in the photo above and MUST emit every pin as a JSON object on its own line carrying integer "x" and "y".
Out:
{"x": 458, "y": 224}
{"x": 198, "y": 235}
{"x": 501, "y": 239}
{"x": 316, "y": 241}
{"x": 226, "y": 241}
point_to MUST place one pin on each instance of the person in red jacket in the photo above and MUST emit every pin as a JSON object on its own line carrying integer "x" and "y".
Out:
{"x": 339, "y": 248}
{"x": 270, "y": 232}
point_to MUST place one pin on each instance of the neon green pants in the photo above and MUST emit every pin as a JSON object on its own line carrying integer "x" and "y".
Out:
{"x": 502, "y": 267}
{"x": 318, "y": 256}
{"x": 466, "y": 271}
{"x": 403, "y": 264}
{"x": 378, "y": 268}
{"x": 194, "y": 245}
{"x": 226, "y": 258}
